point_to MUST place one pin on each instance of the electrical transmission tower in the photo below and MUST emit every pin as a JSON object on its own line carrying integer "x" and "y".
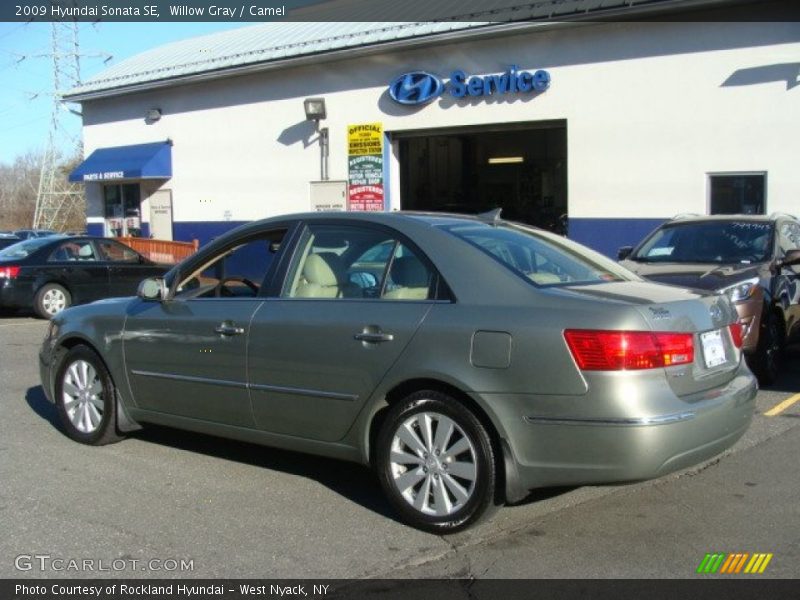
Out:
{"x": 57, "y": 199}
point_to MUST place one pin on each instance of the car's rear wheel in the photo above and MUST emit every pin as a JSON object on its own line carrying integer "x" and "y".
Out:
{"x": 768, "y": 357}
{"x": 436, "y": 463}
{"x": 51, "y": 299}
{"x": 86, "y": 398}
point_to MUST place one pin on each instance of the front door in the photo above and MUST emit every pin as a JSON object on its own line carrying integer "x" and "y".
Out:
{"x": 351, "y": 303}
{"x": 187, "y": 356}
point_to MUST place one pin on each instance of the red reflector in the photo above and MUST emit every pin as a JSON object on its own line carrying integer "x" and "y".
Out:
{"x": 9, "y": 272}
{"x": 629, "y": 350}
{"x": 737, "y": 333}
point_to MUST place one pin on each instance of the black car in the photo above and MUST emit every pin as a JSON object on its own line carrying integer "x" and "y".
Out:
{"x": 52, "y": 273}
{"x": 755, "y": 260}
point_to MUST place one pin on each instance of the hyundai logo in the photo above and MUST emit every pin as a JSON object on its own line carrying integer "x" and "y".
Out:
{"x": 715, "y": 312}
{"x": 417, "y": 87}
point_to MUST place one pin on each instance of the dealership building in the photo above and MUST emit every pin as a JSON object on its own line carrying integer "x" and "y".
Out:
{"x": 600, "y": 129}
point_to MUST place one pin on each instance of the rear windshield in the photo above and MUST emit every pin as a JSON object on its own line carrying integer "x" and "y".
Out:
{"x": 708, "y": 242}
{"x": 24, "y": 248}
{"x": 542, "y": 258}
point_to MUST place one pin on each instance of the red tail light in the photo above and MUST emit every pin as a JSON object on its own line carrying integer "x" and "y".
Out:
{"x": 737, "y": 333}
{"x": 9, "y": 272}
{"x": 629, "y": 350}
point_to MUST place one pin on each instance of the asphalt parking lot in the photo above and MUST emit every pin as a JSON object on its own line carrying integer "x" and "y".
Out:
{"x": 237, "y": 510}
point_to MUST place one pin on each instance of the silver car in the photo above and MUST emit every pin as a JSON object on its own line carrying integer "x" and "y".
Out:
{"x": 468, "y": 359}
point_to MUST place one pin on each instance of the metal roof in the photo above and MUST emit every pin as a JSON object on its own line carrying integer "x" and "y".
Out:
{"x": 280, "y": 43}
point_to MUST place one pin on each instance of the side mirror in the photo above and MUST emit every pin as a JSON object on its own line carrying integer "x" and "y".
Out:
{"x": 153, "y": 289}
{"x": 792, "y": 258}
{"x": 624, "y": 252}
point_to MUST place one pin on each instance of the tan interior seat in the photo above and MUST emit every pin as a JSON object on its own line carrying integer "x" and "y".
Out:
{"x": 318, "y": 280}
{"x": 411, "y": 277}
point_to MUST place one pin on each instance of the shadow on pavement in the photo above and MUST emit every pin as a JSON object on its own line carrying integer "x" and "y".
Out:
{"x": 38, "y": 402}
{"x": 355, "y": 482}
{"x": 350, "y": 480}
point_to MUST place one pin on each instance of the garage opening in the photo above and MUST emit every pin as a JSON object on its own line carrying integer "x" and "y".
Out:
{"x": 522, "y": 169}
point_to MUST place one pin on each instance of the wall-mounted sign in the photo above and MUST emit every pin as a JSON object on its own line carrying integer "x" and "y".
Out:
{"x": 420, "y": 87}
{"x": 365, "y": 167}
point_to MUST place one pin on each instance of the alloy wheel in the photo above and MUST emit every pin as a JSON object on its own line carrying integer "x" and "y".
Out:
{"x": 83, "y": 396}
{"x": 433, "y": 464}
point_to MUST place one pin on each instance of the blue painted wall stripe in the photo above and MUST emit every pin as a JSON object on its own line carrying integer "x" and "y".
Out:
{"x": 608, "y": 235}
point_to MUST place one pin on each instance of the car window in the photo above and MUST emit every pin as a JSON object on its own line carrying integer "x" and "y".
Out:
{"x": 356, "y": 262}
{"x": 708, "y": 242}
{"x": 24, "y": 248}
{"x": 114, "y": 252}
{"x": 542, "y": 258}
{"x": 235, "y": 272}
{"x": 74, "y": 251}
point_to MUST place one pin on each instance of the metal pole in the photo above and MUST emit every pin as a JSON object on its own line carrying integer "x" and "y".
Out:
{"x": 323, "y": 148}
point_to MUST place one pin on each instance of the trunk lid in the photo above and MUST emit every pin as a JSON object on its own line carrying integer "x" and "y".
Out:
{"x": 665, "y": 308}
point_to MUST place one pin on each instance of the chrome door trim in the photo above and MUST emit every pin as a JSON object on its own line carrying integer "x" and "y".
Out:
{"x": 191, "y": 378}
{"x": 252, "y": 386}
{"x": 303, "y": 392}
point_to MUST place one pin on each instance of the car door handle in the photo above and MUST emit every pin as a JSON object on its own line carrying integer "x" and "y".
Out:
{"x": 228, "y": 329}
{"x": 373, "y": 337}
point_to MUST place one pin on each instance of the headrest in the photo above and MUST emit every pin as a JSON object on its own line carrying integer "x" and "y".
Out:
{"x": 408, "y": 271}
{"x": 318, "y": 270}
{"x": 85, "y": 251}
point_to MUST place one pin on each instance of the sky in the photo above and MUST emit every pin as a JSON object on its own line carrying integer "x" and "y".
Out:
{"x": 26, "y": 78}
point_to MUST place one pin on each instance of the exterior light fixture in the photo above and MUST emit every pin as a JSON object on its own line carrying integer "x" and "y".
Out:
{"x": 506, "y": 160}
{"x": 315, "y": 111}
{"x": 151, "y": 115}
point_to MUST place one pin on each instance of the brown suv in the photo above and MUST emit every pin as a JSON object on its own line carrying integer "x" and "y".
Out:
{"x": 755, "y": 260}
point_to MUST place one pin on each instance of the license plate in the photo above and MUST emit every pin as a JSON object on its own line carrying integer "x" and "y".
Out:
{"x": 713, "y": 349}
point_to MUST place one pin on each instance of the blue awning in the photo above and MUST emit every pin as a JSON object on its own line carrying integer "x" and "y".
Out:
{"x": 141, "y": 161}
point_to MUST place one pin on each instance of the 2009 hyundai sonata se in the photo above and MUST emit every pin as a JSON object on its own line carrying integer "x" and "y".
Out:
{"x": 468, "y": 359}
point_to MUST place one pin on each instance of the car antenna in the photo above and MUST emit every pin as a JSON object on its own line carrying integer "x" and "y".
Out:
{"x": 492, "y": 217}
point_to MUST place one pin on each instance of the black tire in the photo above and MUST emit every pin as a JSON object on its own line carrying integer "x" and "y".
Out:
{"x": 767, "y": 360}
{"x": 438, "y": 488}
{"x": 45, "y": 304}
{"x": 89, "y": 418}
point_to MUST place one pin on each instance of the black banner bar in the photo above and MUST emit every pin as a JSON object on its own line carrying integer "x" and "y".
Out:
{"x": 395, "y": 11}
{"x": 705, "y": 588}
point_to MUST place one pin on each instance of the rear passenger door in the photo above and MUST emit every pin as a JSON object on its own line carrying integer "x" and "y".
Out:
{"x": 352, "y": 298}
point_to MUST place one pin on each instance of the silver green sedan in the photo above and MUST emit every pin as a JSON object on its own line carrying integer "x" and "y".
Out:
{"x": 467, "y": 359}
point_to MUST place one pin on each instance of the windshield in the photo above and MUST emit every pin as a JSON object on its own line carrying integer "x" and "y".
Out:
{"x": 542, "y": 258}
{"x": 708, "y": 242}
{"x": 24, "y": 248}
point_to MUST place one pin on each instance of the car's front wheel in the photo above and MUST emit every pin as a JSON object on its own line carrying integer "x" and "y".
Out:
{"x": 51, "y": 299}
{"x": 85, "y": 398}
{"x": 436, "y": 463}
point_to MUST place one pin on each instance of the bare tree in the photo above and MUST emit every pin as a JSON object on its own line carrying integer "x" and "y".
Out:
{"x": 19, "y": 183}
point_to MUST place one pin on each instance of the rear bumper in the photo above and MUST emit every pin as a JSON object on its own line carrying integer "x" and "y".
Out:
{"x": 13, "y": 294}
{"x": 568, "y": 449}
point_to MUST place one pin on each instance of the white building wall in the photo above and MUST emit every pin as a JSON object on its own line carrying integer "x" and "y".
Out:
{"x": 650, "y": 110}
